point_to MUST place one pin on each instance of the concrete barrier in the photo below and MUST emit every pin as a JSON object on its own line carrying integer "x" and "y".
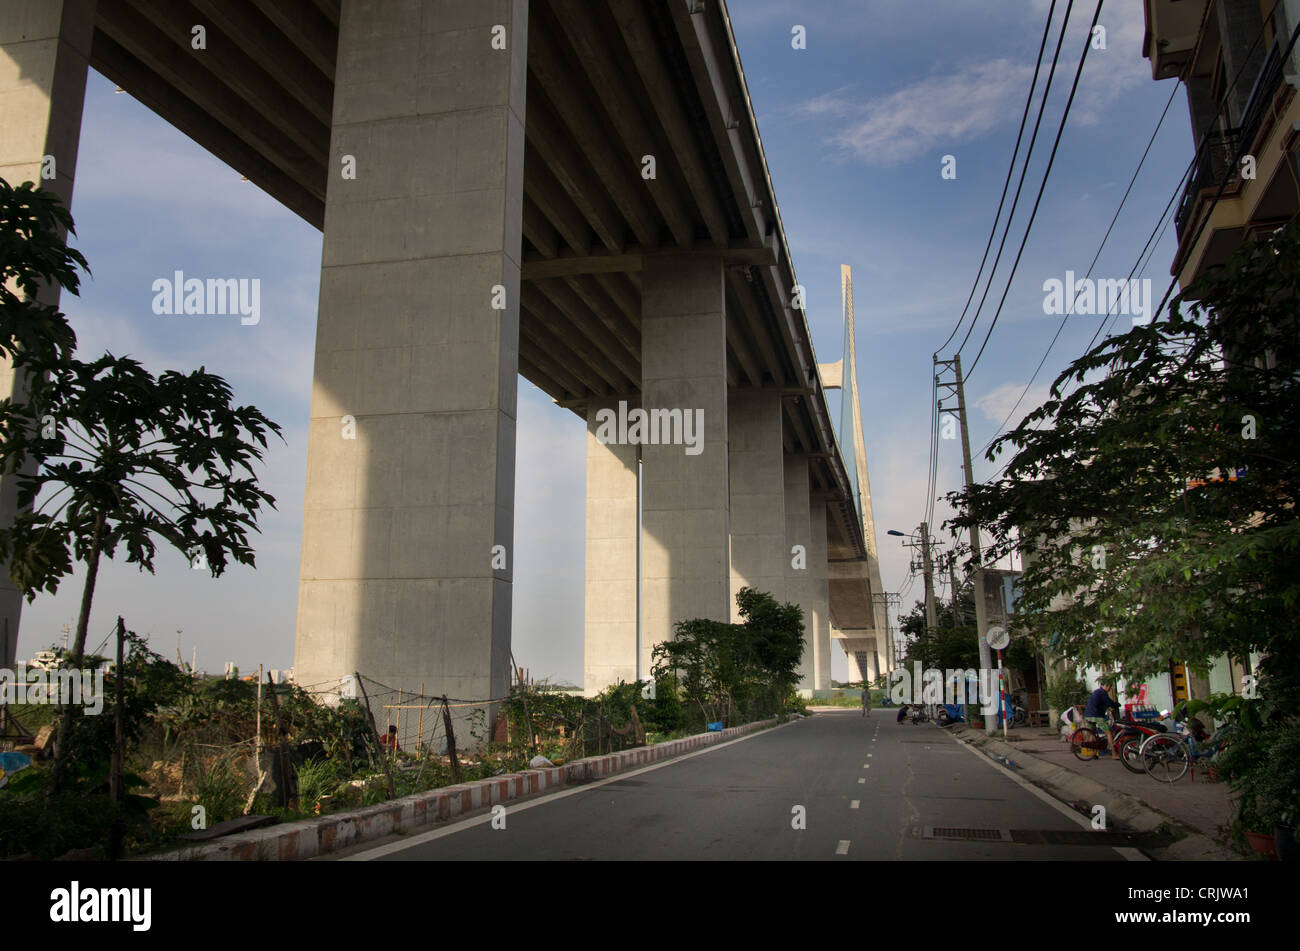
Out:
{"x": 308, "y": 838}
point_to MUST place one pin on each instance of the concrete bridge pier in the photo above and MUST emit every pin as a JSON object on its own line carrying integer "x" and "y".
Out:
{"x": 685, "y": 551}
{"x": 44, "y": 55}
{"x": 611, "y": 577}
{"x": 755, "y": 460}
{"x": 800, "y": 578}
{"x": 407, "y": 553}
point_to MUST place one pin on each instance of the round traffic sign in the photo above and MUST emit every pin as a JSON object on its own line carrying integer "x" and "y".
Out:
{"x": 997, "y": 637}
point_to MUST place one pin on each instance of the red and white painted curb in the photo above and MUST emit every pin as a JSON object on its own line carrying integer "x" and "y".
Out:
{"x": 312, "y": 837}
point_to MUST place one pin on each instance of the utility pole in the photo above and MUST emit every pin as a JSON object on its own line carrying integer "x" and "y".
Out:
{"x": 927, "y": 566}
{"x": 981, "y": 622}
{"x": 952, "y": 577}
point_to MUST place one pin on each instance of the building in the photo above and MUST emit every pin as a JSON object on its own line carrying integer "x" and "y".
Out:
{"x": 1238, "y": 61}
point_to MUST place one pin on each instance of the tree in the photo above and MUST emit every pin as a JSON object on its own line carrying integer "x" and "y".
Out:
{"x": 951, "y": 645}
{"x": 114, "y": 455}
{"x": 752, "y": 663}
{"x": 32, "y": 255}
{"x": 1155, "y": 504}
{"x": 128, "y": 458}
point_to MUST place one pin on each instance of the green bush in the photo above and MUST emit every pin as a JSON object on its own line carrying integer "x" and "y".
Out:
{"x": 1065, "y": 690}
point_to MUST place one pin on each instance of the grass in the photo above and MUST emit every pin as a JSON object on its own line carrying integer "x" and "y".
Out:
{"x": 855, "y": 702}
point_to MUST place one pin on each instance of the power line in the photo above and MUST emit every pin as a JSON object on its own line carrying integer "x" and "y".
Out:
{"x": 1148, "y": 249}
{"x": 1024, "y": 172}
{"x": 1087, "y": 43}
{"x": 1006, "y": 185}
{"x": 1074, "y": 300}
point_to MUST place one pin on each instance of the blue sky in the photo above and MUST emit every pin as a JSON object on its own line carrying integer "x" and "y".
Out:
{"x": 854, "y": 126}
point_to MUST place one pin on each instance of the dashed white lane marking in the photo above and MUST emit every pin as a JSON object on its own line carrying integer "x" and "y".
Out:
{"x": 862, "y": 781}
{"x": 842, "y": 848}
{"x": 854, "y": 804}
{"x": 870, "y": 755}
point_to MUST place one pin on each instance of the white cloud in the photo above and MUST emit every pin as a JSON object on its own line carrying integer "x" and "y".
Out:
{"x": 997, "y": 404}
{"x": 941, "y": 111}
{"x": 926, "y": 114}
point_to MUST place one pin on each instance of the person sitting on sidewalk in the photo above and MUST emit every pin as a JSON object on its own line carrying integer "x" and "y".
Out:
{"x": 1099, "y": 704}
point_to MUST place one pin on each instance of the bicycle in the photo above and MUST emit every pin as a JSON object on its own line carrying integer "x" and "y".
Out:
{"x": 1167, "y": 757}
{"x": 1087, "y": 744}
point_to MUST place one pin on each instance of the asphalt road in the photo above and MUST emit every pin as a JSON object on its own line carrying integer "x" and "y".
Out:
{"x": 869, "y": 788}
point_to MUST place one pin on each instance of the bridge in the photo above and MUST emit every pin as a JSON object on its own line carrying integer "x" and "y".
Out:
{"x": 572, "y": 191}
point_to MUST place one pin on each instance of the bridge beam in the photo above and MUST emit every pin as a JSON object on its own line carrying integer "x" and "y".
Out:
{"x": 685, "y": 545}
{"x": 44, "y": 53}
{"x": 401, "y": 523}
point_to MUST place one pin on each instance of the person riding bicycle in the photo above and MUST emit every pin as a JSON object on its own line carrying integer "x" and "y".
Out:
{"x": 1099, "y": 704}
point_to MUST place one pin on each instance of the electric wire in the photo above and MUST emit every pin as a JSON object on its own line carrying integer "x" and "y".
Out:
{"x": 1074, "y": 300}
{"x": 1041, "y": 189}
{"x": 1006, "y": 185}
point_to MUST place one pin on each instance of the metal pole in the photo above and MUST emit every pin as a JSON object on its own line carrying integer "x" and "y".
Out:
{"x": 115, "y": 779}
{"x": 931, "y": 615}
{"x": 952, "y": 577}
{"x": 981, "y": 622}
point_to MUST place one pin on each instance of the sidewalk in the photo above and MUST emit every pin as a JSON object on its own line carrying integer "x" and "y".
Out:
{"x": 1133, "y": 799}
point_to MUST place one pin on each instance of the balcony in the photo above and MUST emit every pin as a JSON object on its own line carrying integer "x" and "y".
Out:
{"x": 1217, "y": 162}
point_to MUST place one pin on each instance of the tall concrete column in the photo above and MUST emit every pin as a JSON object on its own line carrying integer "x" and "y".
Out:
{"x": 800, "y": 583}
{"x": 611, "y": 604}
{"x": 856, "y": 672}
{"x": 685, "y": 564}
{"x": 821, "y": 597}
{"x": 407, "y": 554}
{"x": 759, "y": 553}
{"x": 44, "y": 51}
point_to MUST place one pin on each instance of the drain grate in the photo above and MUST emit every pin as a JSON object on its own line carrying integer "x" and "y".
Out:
{"x": 978, "y": 835}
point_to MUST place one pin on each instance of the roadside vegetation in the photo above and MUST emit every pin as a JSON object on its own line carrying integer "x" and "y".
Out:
{"x": 1153, "y": 497}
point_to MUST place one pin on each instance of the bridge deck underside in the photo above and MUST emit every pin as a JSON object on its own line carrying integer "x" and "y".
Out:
{"x": 636, "y": 146}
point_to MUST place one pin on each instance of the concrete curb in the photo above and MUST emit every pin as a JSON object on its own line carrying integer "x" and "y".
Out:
{"x": 1127, "y": 811}
{"x": 291, "y": 841}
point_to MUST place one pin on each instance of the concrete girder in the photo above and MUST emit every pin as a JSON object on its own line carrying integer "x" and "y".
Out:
{"x": 554, "y": 202}
{"x": 744, "y": 296}
{"x": 619, "y": 348}
{"x": 638, "y": 33}
{"x": 274, "y": 52}
{"x": 181, "y": 81}
{"x": 619, "y": 172}
{"x": 563, "y": 367}
{"x": 640, "y": 133}
{"x": 303, "y": 23}
{"x": 711, "y": 74}
{"x": 226, "y": 62}
{"x": 571, "y": 168}
{"x": 539, "y": 230}
{"x": 623, "y": 294}
{"x": 557, "y": 322}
